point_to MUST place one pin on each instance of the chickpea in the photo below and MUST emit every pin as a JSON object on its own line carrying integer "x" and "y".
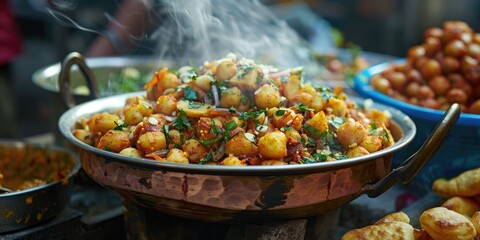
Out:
{"x": 293, "y": 134}
{"x": 450, "y": 64}
{"x": 429, "y": 103}
{"x": 303, "y": 98}
{"x": 151, "y": 141}
{"x": 102, "y": 123}
{"x": 267, "y": 97}
{"x": 372, "y": 143}
{"x": 83, "y": 135}
{"x": 455, "y": 48}
{"x": 357, "y": 151}
{"x": 381, "y": 84}
{"x": 195, "y": 150}
{"x": 273, "y": 145}
{"x": 412, "y": 89}
{"x": 131, "y": 152}
{"x": 226, "y": 70}
{"x": 292, "y": 87}
{"x": 432, "y": 46}
{"x": 233, "y": 161}
{"x": 339, "y": 108}
{"x": 439, "y": 84}
{"x": 176, "y": 155}
{"x": 456, "y": 95}
{"x": 318, "y": 103}
{"x": 413, "y": 75}
{"x": 473, "y": 50}
{"x": 283, "y": 117}
{"x": 203, "y": 82}
{"x": 247, "y": 78}
{"x": 398, "y": 80}
{"x": 416, "y": 52}
{"x": 230, "y": 98}
{"x": 431, "y": 68}
{"x": 238, "y": 145}
{"x": 475, "y": 107}
{"x": 114, "y": 141}
{"x": 132, "y": 114}
{"x": 351, "y": 134}
{"x": 207, "y": 128}
{"x": 318, "y": 122}
{"x": 170, "y": 80}
{"x": 166, "y": 104}
{"x": 272, "y": 162}
{"x": 425, "y": 92}
{"x": 433, "y": 32}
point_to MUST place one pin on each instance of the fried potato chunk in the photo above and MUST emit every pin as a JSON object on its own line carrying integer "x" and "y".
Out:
{"x": 445, "y": 224}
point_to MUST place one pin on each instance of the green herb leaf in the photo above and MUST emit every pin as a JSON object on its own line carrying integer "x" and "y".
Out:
{"x": 190, "y": 94}
{"x": 207, "y": 158}
{"x": 280, "y": 112}
{"x": 120, "y": 126}
{"x": 181, "y": 122}
{"x": 230, "y": 125}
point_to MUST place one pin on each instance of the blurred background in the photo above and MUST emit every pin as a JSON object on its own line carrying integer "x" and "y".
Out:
{"x": 387, "y": 27}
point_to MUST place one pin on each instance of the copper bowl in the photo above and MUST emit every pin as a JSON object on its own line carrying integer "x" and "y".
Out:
{"x": 253, "y": 193}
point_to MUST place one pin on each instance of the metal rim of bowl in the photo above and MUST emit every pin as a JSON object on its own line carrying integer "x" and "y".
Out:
{"x": 69, "y": 117}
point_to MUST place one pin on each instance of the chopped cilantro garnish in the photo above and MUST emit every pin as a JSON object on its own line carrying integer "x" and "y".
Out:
{"x": 120, "y": 126}
{"x": 302, "y": 108}
{"x": 190, "y": 94}
{"x": 206, "y": 158}
{"x": 336, "y": 121}
{"x": 230, "y": 125}
{"x": 194, "y": 104}
{"x": 181, "y": 122}
{"x": 213, "y": 127}
{"x": 280, "y": 112}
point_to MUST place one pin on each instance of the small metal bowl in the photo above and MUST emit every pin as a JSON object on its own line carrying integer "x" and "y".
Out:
{"x": 31, "y": 206}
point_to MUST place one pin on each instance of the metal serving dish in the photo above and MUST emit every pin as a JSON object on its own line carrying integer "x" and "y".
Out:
{"x": 253, "y": 193}
{"x": 25, "y": 208}
{"x": 460, "y": 151}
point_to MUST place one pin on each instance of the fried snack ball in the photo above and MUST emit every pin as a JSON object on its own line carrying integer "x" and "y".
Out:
{"x": 273, "y": 145}
{"x": 463, "y": 205}
{"x": 357, "y": 151}
{"x": 395, "y": 217}
{"x": 372, "y": 143}
{"x": 387, "y": 230}
{"x": 114, "y": 141}
{"x": 444, "y": 224}
{"x": 467, "y": 184}
{"x": 226, "y": 70}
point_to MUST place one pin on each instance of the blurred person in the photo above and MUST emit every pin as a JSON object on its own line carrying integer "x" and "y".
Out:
{"x": 126, "y": 30}
{"x": 10, "y": 48}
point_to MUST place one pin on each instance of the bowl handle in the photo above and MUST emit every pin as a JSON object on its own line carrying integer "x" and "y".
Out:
{"x": 71, "y": 59}
{"x": 412, "y": 165}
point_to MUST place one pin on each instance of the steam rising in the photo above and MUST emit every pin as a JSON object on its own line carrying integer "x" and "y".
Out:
{"x": 203, "y": 30}
{"x": 195, "y": 31}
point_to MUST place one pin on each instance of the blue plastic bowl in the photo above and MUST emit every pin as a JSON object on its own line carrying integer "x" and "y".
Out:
{"x": 461, "y": 148}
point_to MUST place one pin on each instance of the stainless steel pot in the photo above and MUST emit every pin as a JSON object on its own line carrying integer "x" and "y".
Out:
{"x": 253, "y": 193}
{"x": 25, "y": 208}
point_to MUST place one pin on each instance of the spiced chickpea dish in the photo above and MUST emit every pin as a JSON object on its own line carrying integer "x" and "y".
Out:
{"x": 233, "y": 111}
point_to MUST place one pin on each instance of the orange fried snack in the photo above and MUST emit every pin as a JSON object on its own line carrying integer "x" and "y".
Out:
{"x": 442, "y": 223}
{"x": 387, "y": 230}
{"x": 466, "y": 184}
{"x": 463, "y": 205}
